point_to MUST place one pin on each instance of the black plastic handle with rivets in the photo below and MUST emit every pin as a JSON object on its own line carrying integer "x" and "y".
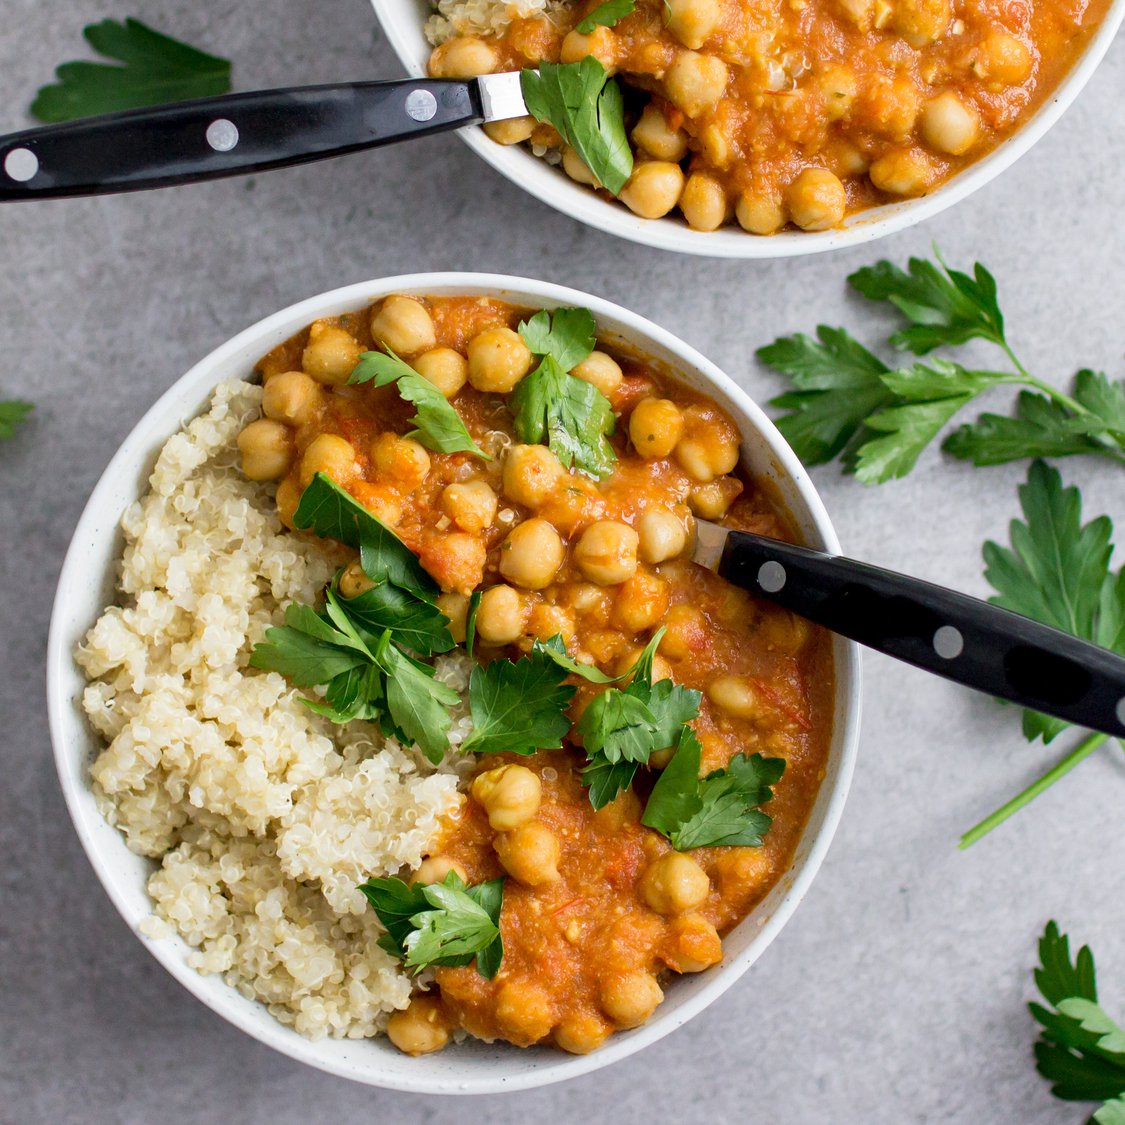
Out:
{"x": 210, "y": 138}
{"x": 961, "y": 638}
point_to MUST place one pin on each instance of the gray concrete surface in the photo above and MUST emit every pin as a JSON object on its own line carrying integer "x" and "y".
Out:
{"x": 897, "y": 992}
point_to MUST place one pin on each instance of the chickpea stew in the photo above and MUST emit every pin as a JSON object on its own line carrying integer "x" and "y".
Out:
{"x": 647, "y": 740}
{"x": 797, "y": 113}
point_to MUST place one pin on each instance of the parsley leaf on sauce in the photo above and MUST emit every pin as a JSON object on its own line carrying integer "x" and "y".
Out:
{"x": 606, "y": 15}
{"x": 331, "y": 513}
{"x": 552, "y": 406}
{"x": 585, "y": 105}
{"x": 155, "y": 69}
{"x": 438, "y": 425}
{"x": 1080, "y": 1050}
{"x": 718, "y": 810}
{"x": 12, "y": 413}
{"x": 446, "y": 923}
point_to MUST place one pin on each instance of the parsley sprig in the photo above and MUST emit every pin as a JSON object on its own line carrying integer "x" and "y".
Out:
{"x": 848, "y": 404}
{"x": 713, "y": 811}
{"x": 438, "y": 426}
{"x": 606, "y": 15}
{"x": 1080, "y": 1050}
{"x": 550, "y": 405}
{"x": 154, "y": 69}
{"x": 586, "y": 106}
{"x": 1057, "y": 570}
{"x": 12, "y": 413}
{"x": 446, "y": 923}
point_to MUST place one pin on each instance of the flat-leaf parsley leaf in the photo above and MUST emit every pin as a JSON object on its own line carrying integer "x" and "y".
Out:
{"x": 606, "y": 15}
{"x": 12, "y": 413}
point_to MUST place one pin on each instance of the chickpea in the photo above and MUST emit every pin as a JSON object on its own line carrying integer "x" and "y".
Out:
{"x": 329, "y": 454}
{"x": 704, "y": 202}
{"x": 759, "y": 213}
{"x": 512, "y": 131}
{"x": 890, "y": 106}
{"x": 653, "y": 133}
{"x": 523, "y": 1010}
{"x": 655, "y": 426}
{"x": 546, "y": 621}
{"x": 600, "y": 369}
{"x": 693, "y": 21}
{"x": 601, "y": 43}
{"x": 288, "y": 497}
{"x": 531, "y": 475}
{"x": 498, "y": 359}
{"x": 653, "y": 189}
{"x": 711, "y": 501}
{"x": 500, "y": 616}
{"x": 510, "y": 795}
{"x": 577, "y": 169}
{"x": 267, "y": 449}
{"x": 530, "y": 853}
{"x": 816, "y": 199}
{"x": 624, "y": 809}
{"x": 420, "y": 1028}
{"x": 629, "y": 999}
{"x": 843, "y": 158}
{"x": 404, "y": 324}
{"x": 949, "y": 125}
{"x": 674, "y": 883}
{"x": 443, "y": 367}
{"x": 401, "y": 460}
{"x": 456, "y": 609}
{"x": 532, "y": 554}
{"x": 684, "y": 632}
{"x": 331, "y": 353}
{"x": 715, "y": 143}
{"x": 661, "y": 536}
{"x": 581, "y": 1034}
{"x": 695, "y": 82}
{"x": 733, "y": 695}
{"x": 921, "y": 21}
{"x": 354, "y": 580}
{"x": 456, "y": 561}
{"x": 434, "y": 869}
{"x": 838, "y": 87}
{"x": 607, "y": 552}
{"x": 903, "y": 171}
{"x": 463, "y": 57}
{"x": 1004, "y": 59}
{"x": 291, "y": 397}
{"x": 709, "y": 447}
{"x": 697, "y": 944}
{"x": 640, "y": 603}
{"x": 471, "y": 506}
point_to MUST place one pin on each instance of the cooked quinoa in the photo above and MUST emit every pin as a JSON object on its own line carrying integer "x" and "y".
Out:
{"x": 262, "y": 816}
{"x": 484, "y": 17}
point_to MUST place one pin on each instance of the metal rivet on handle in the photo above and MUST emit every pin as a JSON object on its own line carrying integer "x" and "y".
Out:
{"x": 421, "y": 105}
{"x": 1121, "y": 711}
{"x": 771, "y": 576}
{"x": 948, "y": 642}
{"x": 21, "y": 164}
{"x": 222, "y": 135}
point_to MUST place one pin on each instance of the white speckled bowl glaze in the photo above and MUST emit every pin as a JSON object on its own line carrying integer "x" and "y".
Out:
{"x": 86, "y": 586}
{"x": 402, "y": 22}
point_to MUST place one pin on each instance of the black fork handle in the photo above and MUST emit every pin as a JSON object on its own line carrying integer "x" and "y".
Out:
{"x": 210, "y": 138}
{"x": 953, "y": 635}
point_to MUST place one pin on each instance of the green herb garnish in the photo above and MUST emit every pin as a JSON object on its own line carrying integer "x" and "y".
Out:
{"x": 623, "y": 727}
{"x": 1080, "y": 1049}
{"x": 848, "y": 403}
{"x": 552, "y": 406}
{"x": 1057, "y": 571}
{"x": 717, "y": 810}
{"x": 154, "y": 69}
{"x": 12, "y": 413}
{"x": 606, "y": 15}
{"x": 446, "y": 923}
{"x": 585, "y": 105}
{"x": 438, "y": 425}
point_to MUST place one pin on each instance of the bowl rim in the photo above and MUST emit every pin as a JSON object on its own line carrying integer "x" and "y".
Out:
{"x": 137, "y": 450}
{"x": 552, "y": 187}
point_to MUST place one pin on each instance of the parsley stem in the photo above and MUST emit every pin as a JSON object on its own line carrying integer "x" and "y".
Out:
{"x": 1082, "y": 751}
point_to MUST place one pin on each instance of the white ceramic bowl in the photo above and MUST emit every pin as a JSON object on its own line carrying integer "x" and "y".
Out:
{"x": 86, "y": 586}
{"x": 402, "y": 21}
